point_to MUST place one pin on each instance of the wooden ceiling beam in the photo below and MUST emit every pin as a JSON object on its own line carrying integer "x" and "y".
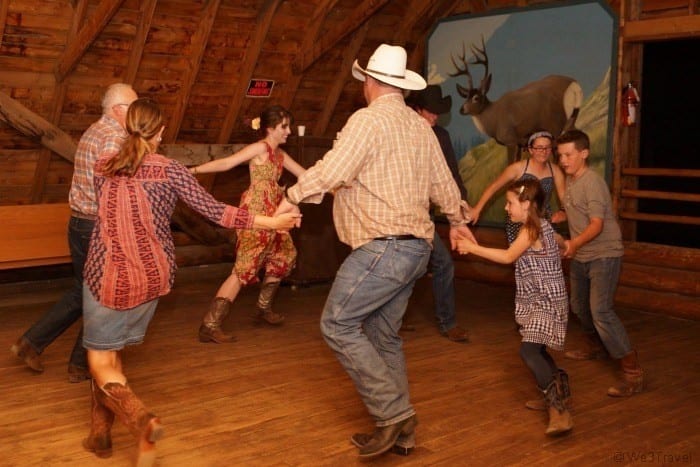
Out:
{"x": 337, "y": 88}
{"x": 357, "y": 18}
{"x": 312, "y": 32}
{"x": 438, "y": 10}
{"x": 415, "y": 10}
{"x": 148, "y": 7}
{"x": 679, "y": 27}
{"x": 93, "y": 26}
{"x": 36, "y": 127}
{"x": 199, "y": 43}
{"x": 264, "y": 19}
{"x": 4, "y": 5}
{"x": 44, "y": 161}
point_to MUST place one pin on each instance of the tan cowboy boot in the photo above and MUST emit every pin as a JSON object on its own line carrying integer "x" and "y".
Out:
{"x": 146, "y": 427}
{"x": 632, "y": 377}
{"x": 210, "y": 330}
{"x": 560, "y": 421}
{"x": 99, "y": 440}
{"x": 268, "y": 290}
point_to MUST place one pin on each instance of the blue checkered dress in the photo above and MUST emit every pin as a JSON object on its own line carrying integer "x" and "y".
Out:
{"x": 541, "y": 304}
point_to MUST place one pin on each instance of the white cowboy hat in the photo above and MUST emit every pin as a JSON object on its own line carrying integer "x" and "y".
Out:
{"x": 388, "y": 65}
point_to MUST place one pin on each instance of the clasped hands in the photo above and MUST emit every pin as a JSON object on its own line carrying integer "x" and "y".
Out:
{"x": 285, "y": 207}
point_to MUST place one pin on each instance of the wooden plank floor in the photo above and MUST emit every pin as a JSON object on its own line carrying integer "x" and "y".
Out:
{"x": 279, "y": 397}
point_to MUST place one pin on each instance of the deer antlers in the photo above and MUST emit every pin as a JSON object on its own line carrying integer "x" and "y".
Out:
{"x": 480, "y": 58}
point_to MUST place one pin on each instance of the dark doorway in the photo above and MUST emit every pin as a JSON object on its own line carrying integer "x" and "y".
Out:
{"x": 670, "y": 136}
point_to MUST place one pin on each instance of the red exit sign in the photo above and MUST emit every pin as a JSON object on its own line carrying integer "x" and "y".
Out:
{"x": 260, "y": 88}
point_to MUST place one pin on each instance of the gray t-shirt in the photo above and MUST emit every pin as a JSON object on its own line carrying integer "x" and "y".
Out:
{"x": 585, "y": 198}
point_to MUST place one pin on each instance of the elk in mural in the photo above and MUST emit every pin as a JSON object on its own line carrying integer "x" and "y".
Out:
{"x": 551, "y": 103}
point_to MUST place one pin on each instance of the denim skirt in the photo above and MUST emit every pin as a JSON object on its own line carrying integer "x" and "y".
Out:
{"x": 109, "y": 329}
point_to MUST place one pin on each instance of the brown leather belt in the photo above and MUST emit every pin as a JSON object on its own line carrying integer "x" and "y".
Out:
{"x": 81, "y": 215}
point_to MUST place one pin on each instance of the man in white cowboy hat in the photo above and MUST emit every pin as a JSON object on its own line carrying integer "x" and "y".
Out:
{"x": 385, "y": 168}
{"x": 430, "y": 104}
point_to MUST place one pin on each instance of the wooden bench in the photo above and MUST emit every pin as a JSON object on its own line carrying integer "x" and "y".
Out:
{"x": 34, "y": 235}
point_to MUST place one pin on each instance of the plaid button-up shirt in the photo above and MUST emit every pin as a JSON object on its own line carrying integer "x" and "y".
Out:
{"x": 104, "y": 136}
{"x": 386, "y": 167}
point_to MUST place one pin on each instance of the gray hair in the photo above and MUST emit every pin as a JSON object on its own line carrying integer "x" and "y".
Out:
{"x": 114, "y": 95}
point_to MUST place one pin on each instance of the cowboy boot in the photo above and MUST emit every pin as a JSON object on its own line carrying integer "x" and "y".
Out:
{"x": 210, "y": 330}
{"x": 268, "y": 290}
{"x": 23, "y": 350}
{"x": 385, "y": 438}
{"x": 99, "y": 440}
{"x": 404, "y": 445}
{"x": 559, "y": 417}
{"x": 592, "y": 349}
{"x": 562, "y": 380}
{"x": 632, "y": 377}
{"x": 146, "y": 427}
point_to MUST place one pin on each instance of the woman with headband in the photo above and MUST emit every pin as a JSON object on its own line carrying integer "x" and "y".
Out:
{"x": 537, "y": 167}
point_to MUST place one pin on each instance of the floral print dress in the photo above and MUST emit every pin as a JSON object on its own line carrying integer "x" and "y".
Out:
{"x": 260, "y": 248}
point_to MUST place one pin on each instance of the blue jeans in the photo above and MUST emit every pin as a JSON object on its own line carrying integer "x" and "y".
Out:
{"x": 593, "y": 286}
{"x": 362, "y": 317}
{"x": 69, "y": 308}
{"x": 443, "y": 269}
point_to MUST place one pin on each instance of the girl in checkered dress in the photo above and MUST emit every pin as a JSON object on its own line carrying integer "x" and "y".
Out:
{"x": 541, "y": 305}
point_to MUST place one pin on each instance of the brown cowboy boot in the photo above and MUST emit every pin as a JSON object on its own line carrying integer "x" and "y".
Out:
{"x": 210, "y": 330}
{"x": 404, "y": 444}
{"x": 632, "y": 377}
{"x": 146, "y": 427}
{"x": 562, "y": 379}
{"x": 560, "y": 421}
{"x": 99, "y": 440}
{"x": 25, "y": 352}
{"x": 593, "y": 349}
{"x": 268, "y": 290}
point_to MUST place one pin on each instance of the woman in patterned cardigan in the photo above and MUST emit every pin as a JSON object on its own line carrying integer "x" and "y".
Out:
{"x": 131, "y": 263}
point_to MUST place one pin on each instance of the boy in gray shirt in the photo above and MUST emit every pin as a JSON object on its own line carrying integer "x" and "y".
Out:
{"x": 595, "y": 248}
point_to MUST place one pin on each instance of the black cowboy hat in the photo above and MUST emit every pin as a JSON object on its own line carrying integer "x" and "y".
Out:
{"x": 431, "y": 100}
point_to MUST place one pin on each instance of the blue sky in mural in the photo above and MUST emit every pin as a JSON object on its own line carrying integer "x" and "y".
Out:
{"x": 524, "y": 46}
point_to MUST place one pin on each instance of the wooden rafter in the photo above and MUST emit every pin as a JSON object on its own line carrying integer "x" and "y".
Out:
{"x": 415, "y": 10}
{"x": 357, "y": 18}
{"x": 334, "y": 94}
{"x": 90, "y": 30}
{"x": 42, "y": 166}
{"x": 199, "y": 42}
{"x": 44, "y": 161}
{"x": 34, "y": 126}
{"x": 438, "y": 10}
{"x": 267, "y": 12}
{"x": 4, "y": 5}
{"x": 148, "y": 7}
{"x": 312, "y": 32}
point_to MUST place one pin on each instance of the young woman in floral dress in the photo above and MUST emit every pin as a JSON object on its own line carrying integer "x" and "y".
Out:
{"x": 256, "y": 249}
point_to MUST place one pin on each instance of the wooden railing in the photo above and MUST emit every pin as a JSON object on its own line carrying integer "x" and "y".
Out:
{"x": 660, "y": 195}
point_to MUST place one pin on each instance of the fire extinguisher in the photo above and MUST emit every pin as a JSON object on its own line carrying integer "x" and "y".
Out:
{"x": 630, "y": 102}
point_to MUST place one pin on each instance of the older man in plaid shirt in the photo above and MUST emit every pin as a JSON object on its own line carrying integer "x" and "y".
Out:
{"x": 385, "y": 169}
{"x": 105, "y": 135}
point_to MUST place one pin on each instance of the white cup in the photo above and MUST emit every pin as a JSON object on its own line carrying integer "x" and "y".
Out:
{"x": 301, "y": 129}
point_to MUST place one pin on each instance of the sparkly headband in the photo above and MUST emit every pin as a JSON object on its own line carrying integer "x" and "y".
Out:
{"x": 539, "y": 134}
{"x": 520, "y": 191}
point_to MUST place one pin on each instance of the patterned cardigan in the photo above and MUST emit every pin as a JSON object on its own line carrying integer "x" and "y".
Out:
{"x": 131, "y": 259}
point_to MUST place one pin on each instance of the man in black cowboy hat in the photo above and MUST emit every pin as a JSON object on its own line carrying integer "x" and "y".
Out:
{"x": 430, "y": 104}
